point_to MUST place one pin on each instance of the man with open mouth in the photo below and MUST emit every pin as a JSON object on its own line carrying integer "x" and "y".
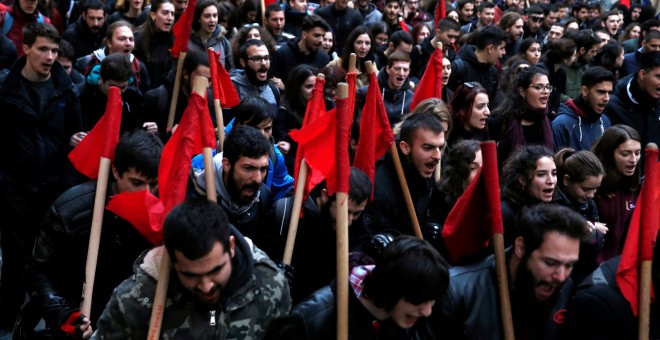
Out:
{"x": 539, "y": 266}
{"x": 580, "y": 120}
{"x": 40, "y": 114}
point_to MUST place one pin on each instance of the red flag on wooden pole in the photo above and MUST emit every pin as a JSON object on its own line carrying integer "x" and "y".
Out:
{"x": 642, "y": 232}
{"x": 102, "y": 140}
{"x": 181, "y": 29}
{"x": 431, "y": 83}
{"x": 440, "y": 12}
{"x": 376, "y": 135}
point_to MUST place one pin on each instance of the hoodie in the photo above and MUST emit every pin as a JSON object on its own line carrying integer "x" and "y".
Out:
{"x": 246, "y": 217}
{"x": 256, "y": 294}
{"x": 466, "y": 67}
{"x": 577, "y": 126}
{"x": 397, "y": 102}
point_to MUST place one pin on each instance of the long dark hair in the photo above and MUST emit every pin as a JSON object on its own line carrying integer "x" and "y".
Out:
{"x": 148, "y": 30}
{"x": 604, "y": 149}
{"x": 456, "y": 171}
{"x": 292, "y": 99}
{"x": 349, "y": 48}
{"x": 521, "y": 163}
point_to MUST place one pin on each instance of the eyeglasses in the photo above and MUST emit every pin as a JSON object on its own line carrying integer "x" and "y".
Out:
{"x": 536, "y": 19}
{"x": 472, "y": 84}
{"x": 258, "y": 60}
{"x": 255, "y": 25}
{"x": 541, "y": 87}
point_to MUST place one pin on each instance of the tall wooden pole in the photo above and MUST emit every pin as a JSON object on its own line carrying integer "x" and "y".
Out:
{"x": 175, "y": 92}
{"x": 341, "y": 227}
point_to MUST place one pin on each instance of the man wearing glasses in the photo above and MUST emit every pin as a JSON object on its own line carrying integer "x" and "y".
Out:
{"x": 255, "y": 59}
{"x": 533, "y": 25}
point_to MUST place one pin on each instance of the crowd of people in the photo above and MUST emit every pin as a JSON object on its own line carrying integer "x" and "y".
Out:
{"x": 569, "y": 90}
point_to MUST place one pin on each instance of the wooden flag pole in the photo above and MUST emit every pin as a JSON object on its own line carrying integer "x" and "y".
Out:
{"x": 342, "y": 248}
{"x": 503, "y": 284}
{"x": 219, "y": 121}
{"x": 352, "y": 63}
{"x": 200, "y": 85}
{"x": 301, "y": 182}
{"x": 437, "y": 175}
{"x": 406, "y": 192}
{"x": 175, "y": 92}
{"x": 645, "y": 267}
{"x": 295, "y": 213}
{"x": 95, "y": 236}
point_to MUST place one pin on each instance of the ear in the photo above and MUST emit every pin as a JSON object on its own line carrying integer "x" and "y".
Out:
{"x": 152, "y": 15}
{"x": 243, "y": 62}
{"x": 584, "y": 91}
{"x": 324, "y": 196}
{"x": 641, "y": 74}
{"x": 405, "y": 148}
{"x": 522, "y": 92}
{"x": 437, "y": 32}
{"x": 582, "y": 51}
{"x": 26, "y": 49}
{"x": 390, "y": 45}
{"x": 387, "y": 69}
{"x": 522, "y": 181}
{"x": 519, "y": 247}
{"x": 232, "y": 245}
{"x": 226, "y": 166}
{"x": 566, "y": 179}
{"x": 115, "y": 173}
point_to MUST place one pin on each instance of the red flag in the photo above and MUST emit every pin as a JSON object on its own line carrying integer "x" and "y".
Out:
{"x": 223, "y": 87}
{"x": 102, "y": 140}
{"x": 641, "y": 235}
{"x": 315, "y": 109}
{"x": 143, "y": 210}
{"x": 351, "y": 80}
{"x": 337, "y": 180}
{"x": 376, "y": 135}
{"x": 181, "y": 30}
{"x": 431, "y": 83}
{"x": 440, "y": 12}
{"x": 466, "y": 232}
{"x": 625, "y": 3}
{"x": 403, "y": 25}
{"x": 268, "y": 2}
{"x": 175, "y": 162}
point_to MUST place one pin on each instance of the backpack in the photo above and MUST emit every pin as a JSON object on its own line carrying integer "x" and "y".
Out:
{"x": 8, "y": 22}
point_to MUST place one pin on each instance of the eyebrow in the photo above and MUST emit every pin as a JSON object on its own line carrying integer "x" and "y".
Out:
{"x": 214, "y": 270}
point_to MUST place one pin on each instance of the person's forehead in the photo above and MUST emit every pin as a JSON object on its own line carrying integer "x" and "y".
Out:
{"x": 426, "y": 136}
{"x": 122, "y": 31}
{"x": 249, "y": 161}
{"x": 44, "y": 41}
{"x": 277, "y": 15}
{"x": 400, "y": 64}
{"x": 261, "y": 50}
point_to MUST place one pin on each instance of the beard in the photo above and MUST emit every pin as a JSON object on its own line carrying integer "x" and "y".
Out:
{"x": 524, "y": 295}
{"x": 252, "y": 76}
{"x": 235, "y": 192}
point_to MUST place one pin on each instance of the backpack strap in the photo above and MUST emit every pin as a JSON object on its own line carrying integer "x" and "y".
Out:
{"x": 7, "y": 23}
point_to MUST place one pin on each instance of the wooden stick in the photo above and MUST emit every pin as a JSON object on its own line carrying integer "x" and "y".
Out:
{"x": 175, "y": 92}
{"x": 503, "y": 284}
{"x": 352, "y": 63}
{"x": 220, "y": 123}
{"x": 200, "y": 85}
{"x": 95, "y": 236}
{"x": 341, "y": 227}
{"x": 645, "y": 298}
{"x": 295, "y": 213}
{"x": 406, "y": 192}
{"x": 263, "y": 12}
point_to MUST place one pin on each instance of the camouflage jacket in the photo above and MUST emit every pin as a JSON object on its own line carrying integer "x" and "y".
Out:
{"x": 262, "y": 294}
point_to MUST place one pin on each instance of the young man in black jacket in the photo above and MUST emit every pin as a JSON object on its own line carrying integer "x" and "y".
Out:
{"x": 56, "y": 271}
{"x": 40, "y": 114}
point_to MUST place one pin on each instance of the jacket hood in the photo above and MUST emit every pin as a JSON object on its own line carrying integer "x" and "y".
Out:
{"x": 224, "y": 199}
{"x": 242, "y": 263}
{"x": 468, "y": 54}
{"x": 383, "y": 77}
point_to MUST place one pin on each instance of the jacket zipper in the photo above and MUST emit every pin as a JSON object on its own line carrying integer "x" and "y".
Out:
{"x": 212, "y": 315}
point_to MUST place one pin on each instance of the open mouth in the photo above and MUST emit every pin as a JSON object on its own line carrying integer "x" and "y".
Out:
{"x": 546, "y": 290}
{"x": 630, "y": 169}
{"x": 547, "y": 192}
